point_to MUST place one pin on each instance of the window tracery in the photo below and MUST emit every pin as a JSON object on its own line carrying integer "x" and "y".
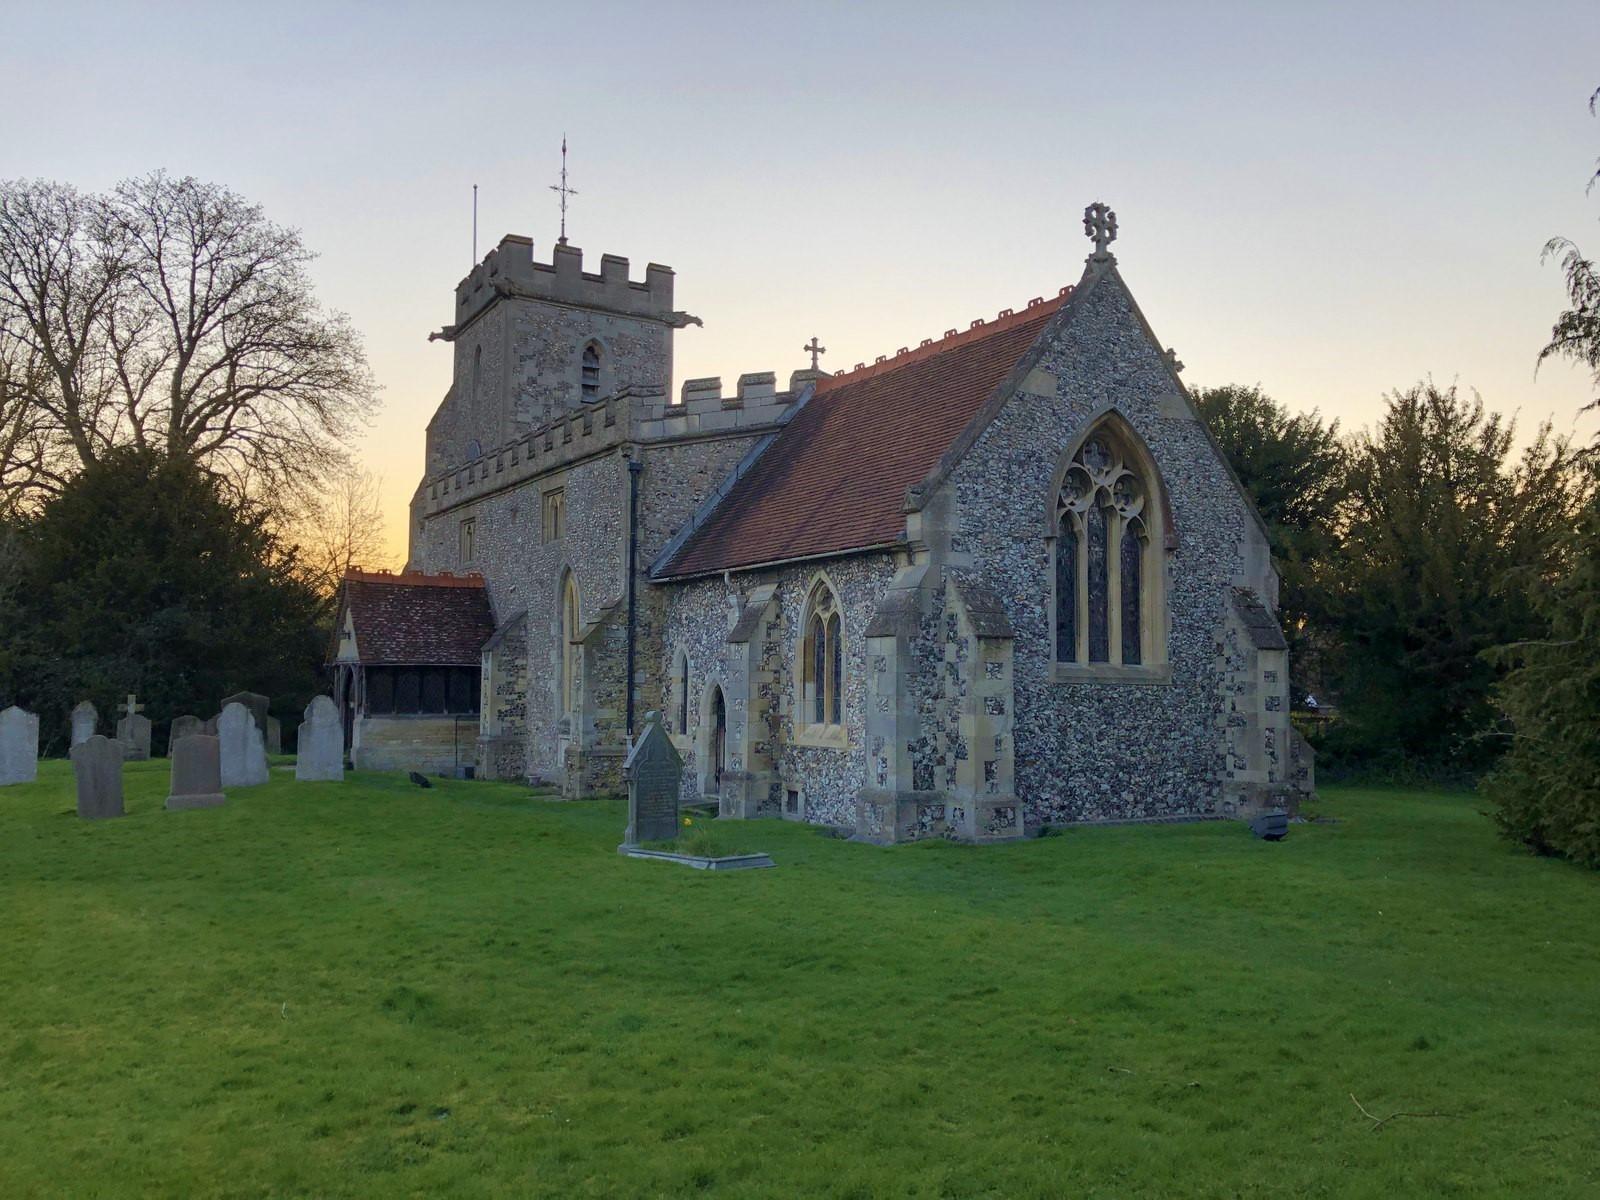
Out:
{"x": 1104, "y": 574}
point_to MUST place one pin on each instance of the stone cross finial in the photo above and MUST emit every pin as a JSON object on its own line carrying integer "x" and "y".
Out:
{"x": 814, "y": 350}
{"x": 1100, "y": 224}
{"x": 130, "y": 706}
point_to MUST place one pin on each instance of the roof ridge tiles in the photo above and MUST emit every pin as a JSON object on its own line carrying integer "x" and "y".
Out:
{"x": 1008, "y": 318}
{"x": 470, "y": 579}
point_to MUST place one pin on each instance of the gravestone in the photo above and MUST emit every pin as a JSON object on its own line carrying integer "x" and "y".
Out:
{"x": 196, "y": 772}
{"x": 19, "y": 746}
{"x": 319, "y": 746}
{"x": 84, "y": 718}
{"x": 1271, "y": 826}
{"x": 244, "y": 750}
{"x": 182, "y": 727}
{"x": 210, "y": 725}
{"x": 255, "y": 702}
{"x": 133, "y": 730}
{"x": 97, "y": 766}
{"x": 274, "y": 736}
{"x": 654, "y": 772}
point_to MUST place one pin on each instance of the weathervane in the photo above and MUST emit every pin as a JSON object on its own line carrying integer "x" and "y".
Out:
{"x": 1100, "y": 224}
{"x": 814, "y": 350}
{"x": 563, "y": 190}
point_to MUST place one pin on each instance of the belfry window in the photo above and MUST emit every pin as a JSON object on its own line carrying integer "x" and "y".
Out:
{"x": 1106, "y": 569}
{"x": 590, "y": 376}
{"x": 822, "y": 660}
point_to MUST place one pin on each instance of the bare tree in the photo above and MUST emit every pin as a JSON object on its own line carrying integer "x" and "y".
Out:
{"x": 26, "y": 448}
{"x": 171, "y": 314}
{"x": 342, "y": 528}
{"x": 63, "y": 268}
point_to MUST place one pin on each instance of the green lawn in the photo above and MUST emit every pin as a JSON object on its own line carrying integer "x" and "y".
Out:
{"x": 371, "y": 989}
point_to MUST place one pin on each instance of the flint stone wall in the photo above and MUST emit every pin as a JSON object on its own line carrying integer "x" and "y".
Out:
{"x": 1101, "y": 750}
{"x": 701, "y": 614}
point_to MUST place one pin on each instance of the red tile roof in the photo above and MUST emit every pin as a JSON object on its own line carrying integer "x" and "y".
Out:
{"x": 835, "y": 477}
{"x": 416, "y": 619}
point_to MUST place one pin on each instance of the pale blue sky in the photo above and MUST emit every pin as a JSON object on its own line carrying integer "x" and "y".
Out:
{"x": 1329, "y": 200}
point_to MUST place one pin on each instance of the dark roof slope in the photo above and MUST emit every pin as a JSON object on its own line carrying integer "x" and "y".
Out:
{"x": 834, "y": 478}
{"x": 419, "y": 620}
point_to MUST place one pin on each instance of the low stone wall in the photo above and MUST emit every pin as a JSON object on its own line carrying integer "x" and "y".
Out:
{"x": 426, "y": 744}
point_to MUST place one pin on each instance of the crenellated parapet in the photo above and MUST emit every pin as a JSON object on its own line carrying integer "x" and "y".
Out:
{"x": 633, "y": 415}
{"x": 511, "y": 271}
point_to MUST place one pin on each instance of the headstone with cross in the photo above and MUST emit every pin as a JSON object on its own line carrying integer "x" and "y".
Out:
{"x": 816, "y": 351}
{"x": 1100, "y": 226}
{"x": 133, "y": 729}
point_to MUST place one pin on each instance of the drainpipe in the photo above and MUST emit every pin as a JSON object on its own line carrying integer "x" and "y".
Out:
{"x": 634, "y": 467}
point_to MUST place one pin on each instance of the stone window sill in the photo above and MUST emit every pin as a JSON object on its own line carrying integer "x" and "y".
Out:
{"x": 1147, "y": 676}
{"x": 822, "y": 737}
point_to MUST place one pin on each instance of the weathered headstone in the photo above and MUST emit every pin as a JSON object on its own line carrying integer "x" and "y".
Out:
{"x": 319, "y": 746}
{"x": 654, "y": 772}
{"x": 196, "y": 772}
{"x": 133, "y": 729}
{"x": 244, "y": 751}
{"x": 210, "y": 725}
{"x": 1271, "y": 826}
{"x": 19, "y": 746}
{"x": 274, "y": 736}
{"x": 182, "y": 727}
{"x": 256, "y": 703}
{"x": 97, "y": 766}
{"x": 84, "y": 718}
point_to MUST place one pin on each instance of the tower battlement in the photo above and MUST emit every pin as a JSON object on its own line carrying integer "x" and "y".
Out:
{"x": 510, "y": 269}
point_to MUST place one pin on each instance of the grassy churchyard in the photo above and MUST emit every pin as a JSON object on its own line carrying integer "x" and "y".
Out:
{"x": 371, "y": 989}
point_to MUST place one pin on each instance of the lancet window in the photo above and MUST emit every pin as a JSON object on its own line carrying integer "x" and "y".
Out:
{"x": 822, "y": 660}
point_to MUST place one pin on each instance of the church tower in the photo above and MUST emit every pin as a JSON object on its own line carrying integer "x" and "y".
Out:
{"x": 533, "y": 340}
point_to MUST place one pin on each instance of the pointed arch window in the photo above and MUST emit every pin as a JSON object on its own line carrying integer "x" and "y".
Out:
{"x": 1107, "y": 571}
{"x": 571, "y": 647}
{"x": 822, "y": 661}
{"x": 590, "y": 372}
{"x": 477, "y": 373}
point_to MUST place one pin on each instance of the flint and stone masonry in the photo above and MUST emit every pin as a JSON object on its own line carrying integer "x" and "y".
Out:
{"x": 559, "y": 451}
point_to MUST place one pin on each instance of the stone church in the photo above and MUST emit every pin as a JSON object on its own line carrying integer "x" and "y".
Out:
{"x": 1000, "y": 580}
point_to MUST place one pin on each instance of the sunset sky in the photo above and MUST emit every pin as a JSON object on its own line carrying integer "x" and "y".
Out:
{"x": 1331, "y": 201}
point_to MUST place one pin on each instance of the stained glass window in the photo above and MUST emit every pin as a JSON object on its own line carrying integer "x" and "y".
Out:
{"x": 1101, "y": 546}
{"x": 1132, "y": 569}
{"x": 1099, "y": 587}
{"x": 835, "y": 672}
{"x": 1066, "y": 590}
{"x": 819, "y": 659}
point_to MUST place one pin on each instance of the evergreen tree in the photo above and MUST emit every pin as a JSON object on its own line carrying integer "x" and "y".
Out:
{"x": 1447, "y": 538}
{"x": 1547, "y": 787}
{"x": 1294, "y": 469}
{"x": 146, "y": 575}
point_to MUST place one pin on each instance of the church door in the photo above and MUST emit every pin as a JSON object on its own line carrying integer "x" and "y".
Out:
{"x": 719, "y": 741}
